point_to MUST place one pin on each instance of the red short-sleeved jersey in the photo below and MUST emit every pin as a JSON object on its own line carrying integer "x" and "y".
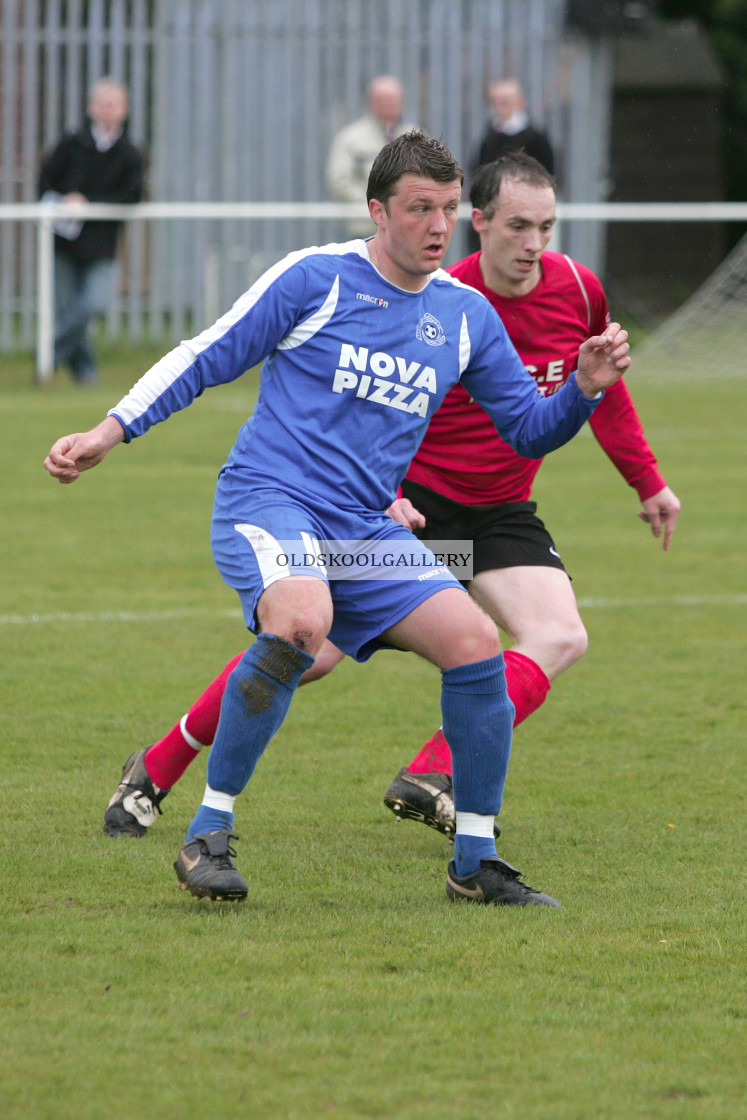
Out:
{"x": 462, "y": 455}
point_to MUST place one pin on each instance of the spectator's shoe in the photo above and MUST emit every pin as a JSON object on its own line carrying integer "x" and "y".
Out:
{"x": 205, "y": 867}
{"x": 136, "y": 802}
{"x": 424, "y": 797}
{"x": 496, "y": 883}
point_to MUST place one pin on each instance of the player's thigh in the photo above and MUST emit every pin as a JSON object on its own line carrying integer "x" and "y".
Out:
{"x": 527, "y": 599}
{"x": 448, "y": 629}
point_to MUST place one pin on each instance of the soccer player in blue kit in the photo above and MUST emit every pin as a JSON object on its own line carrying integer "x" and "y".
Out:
{"x": 360, "y": 342}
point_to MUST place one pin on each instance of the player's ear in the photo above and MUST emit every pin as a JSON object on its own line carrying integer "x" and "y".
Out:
{"x": 377, "y": 210}
{"x": 479, "y": 221}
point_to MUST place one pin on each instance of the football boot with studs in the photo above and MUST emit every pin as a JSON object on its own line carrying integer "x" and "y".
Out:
{"x": 428, "y": 798}
{"x": 205, "y": 868}
{"x": 495, "y": 883}
{"x": 136, "y": 802}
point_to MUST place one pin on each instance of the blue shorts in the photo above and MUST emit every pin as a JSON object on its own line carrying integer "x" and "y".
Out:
{"x": 251, "y": 529}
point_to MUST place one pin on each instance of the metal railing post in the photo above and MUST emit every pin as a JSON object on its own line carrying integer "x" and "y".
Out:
{"x": 45, "y": 298}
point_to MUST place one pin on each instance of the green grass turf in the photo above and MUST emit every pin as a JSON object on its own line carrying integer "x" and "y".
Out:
{"x": 347, "y": 986}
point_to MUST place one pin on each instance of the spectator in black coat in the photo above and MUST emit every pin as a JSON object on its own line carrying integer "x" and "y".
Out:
{"x": 510, "y": 130}
{"x": 98, "y": 163}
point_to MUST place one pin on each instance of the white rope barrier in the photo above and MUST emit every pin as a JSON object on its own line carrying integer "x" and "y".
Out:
{"x": 265, "y": 211}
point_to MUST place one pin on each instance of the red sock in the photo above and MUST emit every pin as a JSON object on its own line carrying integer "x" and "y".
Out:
{"x": 527, "y": 686}
{"x": 167, "y": 759}
{"x": 433, "y": 758}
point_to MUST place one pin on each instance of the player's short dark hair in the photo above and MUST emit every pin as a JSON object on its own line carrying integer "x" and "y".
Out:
{"x": 414, "y": 153}
{"x": 486, "y": 184}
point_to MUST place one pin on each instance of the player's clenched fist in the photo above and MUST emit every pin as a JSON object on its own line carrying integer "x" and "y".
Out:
{"x": 79, "y": 452}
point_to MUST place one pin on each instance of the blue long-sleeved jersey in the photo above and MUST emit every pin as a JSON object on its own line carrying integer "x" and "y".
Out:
{"x": 354, "y": 367}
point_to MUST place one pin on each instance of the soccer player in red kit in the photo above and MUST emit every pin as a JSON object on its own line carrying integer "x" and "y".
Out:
{"x": 466, "y": 483}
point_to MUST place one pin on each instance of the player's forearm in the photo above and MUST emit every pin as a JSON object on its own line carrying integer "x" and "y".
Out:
{"x": 619, "y": 430}
{"x": 110, "y": 432}
{"x": 587, "y": 386}
{"x": 545, "y": 423}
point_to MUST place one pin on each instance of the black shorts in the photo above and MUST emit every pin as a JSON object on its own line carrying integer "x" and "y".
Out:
{"x": 504, "y": 536}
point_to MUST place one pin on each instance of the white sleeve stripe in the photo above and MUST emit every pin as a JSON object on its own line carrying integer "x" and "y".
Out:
{"x": 170, "y": 368}
{"x": 584, "y": 293}
{"x": 465, "y": 345}
{"x": 442, "y": 275}
{"x": 309, "y": 327}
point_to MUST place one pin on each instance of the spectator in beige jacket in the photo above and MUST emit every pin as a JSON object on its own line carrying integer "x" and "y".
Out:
{"x": 357, "y": 145}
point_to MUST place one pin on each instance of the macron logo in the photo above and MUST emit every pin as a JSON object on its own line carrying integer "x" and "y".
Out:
{"x": 377, "y": 300}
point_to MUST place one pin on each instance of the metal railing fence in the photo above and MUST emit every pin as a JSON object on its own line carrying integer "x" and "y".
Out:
{"x": 44, "y": 215}
{"x": 240, "y": 100}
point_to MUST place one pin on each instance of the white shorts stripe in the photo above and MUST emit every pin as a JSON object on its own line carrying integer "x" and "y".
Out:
{"x": 311, "y": 544}
{"x": 267, "y": 550}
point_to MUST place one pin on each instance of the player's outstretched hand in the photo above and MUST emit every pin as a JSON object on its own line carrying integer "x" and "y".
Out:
{"x": 79, "y": 452}
{"x": 404, "y": 513}
{"x": 602, "y": 360}
{"x": 661, "y": 512}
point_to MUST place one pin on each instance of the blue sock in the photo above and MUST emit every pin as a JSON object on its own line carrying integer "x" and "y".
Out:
{"x": 478, "y": 718}
{"x": 257, "y": 697}
{"x": 469, "y": 850}
{"x": 208, "y": 819}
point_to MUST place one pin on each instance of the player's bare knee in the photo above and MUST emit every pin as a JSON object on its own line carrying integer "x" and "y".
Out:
{"x": 569, "y": 646}
{"x": 478, "y": 642}
{"x": 307, "y": 633}
{"x": 328, "y": 657}
{"x": 305, "y": 625}
{"x": 321, "y": 667}
{"x": 304, "y": 630}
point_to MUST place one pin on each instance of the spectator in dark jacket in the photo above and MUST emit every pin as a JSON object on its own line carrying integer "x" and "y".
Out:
{"x": 96, "y": 164}
{"x": 510, "y": 130}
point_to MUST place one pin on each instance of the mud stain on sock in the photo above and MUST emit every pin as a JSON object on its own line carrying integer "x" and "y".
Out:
{"x": 281, "y": 659}
{"x": 257, "y": 693}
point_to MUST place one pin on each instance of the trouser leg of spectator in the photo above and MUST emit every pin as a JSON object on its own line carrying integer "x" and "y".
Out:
{"x": 82, "y": 291}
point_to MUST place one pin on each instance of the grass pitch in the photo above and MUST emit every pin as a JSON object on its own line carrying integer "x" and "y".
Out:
{"x": 347, "y": 986}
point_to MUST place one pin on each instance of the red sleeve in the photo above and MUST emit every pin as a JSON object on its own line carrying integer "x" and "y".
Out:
{"x": 618, "y": 428}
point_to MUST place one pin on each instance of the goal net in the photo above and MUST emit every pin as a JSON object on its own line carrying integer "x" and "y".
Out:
{"x": 707, "y": 336}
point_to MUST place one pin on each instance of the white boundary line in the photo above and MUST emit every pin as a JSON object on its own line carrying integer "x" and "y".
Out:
{"x": 170, "y": 616}
{"x": 112, "y": 616}
{"x": 669, "y": 601}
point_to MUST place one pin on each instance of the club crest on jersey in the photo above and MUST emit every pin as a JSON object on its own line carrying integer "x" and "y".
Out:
{"x": 430, "y": 330}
